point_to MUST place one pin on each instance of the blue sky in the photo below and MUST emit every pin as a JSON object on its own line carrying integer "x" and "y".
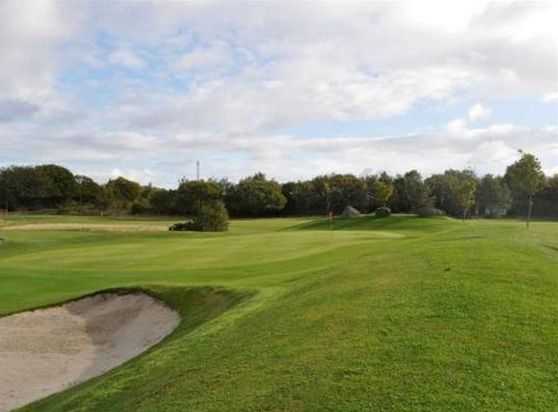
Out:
{"x": 292, "y": 89}
{"x": 425, "y": 117}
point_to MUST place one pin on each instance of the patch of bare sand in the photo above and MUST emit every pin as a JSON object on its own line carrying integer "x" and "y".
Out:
{"x": 123, "y": 227}
{"x": 46, "y": 351}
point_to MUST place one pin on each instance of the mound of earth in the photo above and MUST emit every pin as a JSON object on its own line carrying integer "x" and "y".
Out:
{"x": 46, "y": 351}
{"x": 350, "y": 212}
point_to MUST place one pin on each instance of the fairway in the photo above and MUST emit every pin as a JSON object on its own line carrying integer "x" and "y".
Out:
{"x": 393, "y": 314}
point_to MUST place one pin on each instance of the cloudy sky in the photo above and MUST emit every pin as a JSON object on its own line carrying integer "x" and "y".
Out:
{"x": 290, "y": 88}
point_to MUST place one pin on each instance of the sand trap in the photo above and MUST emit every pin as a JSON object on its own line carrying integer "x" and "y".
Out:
{"x": 46, "y": 351}
{"x": 123, "y": 227}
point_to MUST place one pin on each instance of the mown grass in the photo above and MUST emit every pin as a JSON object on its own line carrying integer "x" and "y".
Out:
{"x": 290, "y": 314}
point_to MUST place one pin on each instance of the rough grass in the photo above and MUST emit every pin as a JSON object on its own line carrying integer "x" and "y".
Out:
{"x": 285, "y": 314}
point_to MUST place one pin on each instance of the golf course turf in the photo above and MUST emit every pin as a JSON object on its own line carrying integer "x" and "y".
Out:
{"x": 393, "y": 314}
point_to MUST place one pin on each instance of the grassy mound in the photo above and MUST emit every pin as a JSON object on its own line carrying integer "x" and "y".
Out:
{"x": 399, "y": 313}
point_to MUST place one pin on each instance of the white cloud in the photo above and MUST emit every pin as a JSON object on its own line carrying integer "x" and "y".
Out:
{"x": 550, "y": 97}
{"x": 479, "y": 112}
{"x": 214, "y": 56}
{"x": 163, "y": 160}
{"x": 30, "y": 33}
{"x": 127, "y": 58}
{"x": 220, "y": 80}
{"x": 457, "y": 127}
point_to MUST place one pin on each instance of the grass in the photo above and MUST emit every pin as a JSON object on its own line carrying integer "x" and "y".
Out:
{"x": 397, "y": 314}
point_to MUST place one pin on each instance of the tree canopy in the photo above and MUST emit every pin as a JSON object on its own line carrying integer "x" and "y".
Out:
{"x": 524, "y": 188}
{"x": 525, "y": 178}
{"x": 256, "y": 196}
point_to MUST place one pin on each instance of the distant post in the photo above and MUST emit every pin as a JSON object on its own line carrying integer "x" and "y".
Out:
{"x": 530, "y": 211}
{"x": 6, "y": 200}
{"x": 80, "y": 180}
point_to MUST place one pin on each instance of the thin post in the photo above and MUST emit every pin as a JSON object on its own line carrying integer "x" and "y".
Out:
{"x": 7, "y": 201}
{"x": 530, "y": 211}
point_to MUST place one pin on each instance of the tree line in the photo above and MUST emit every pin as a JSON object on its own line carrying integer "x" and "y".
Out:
{"x": 522, "y": 190}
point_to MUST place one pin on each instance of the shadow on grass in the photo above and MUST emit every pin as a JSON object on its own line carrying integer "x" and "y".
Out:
{"x": 551, "y": 247}
{"x": 411, "y": 223}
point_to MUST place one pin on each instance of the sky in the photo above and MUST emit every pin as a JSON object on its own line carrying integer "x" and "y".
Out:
{"x": 289, "y": 88}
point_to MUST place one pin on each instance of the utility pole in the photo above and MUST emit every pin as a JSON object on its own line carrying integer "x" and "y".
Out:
{"x": 80, "y": 180}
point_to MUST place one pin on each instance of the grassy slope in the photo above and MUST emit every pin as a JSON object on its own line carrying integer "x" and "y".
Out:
{"x": 283, "y": 314}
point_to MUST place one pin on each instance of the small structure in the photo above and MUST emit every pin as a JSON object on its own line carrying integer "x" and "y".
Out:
{"x": 350, "y": 212}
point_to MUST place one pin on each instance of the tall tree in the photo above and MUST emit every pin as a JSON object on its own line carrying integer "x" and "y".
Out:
{"x": 493, "y": 196}
{"x": 23, "y": 187}
{"x": 382, "y": 192}
{"x": 525, "y": 177}
{"x": 465, "y": 190}
{"x": 88, "y": 191}
{"x": 123, "y": 191}
{"x": 399, "y": 202}
{"x": 256, "y": 196}
{"x": 191, "y": 195}
{"x": 163, "y": 201}
{"x": 346, "y": 190}
{"x": 415, "y": 191}
{"x": 451, "y": 191}
{"x": 105, "y": 199}
{"x": 322, "y": 189}
{"x": 380, "y": 189}
{"x": 61, "y": 186}
{"x": 547, "y": 199}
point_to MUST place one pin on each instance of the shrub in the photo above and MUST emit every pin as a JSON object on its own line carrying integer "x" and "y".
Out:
{"x": 178, "y": 227}
{"x": 75, "y": 209}
{"x": 211, "y": 217}
{"x": 383, "y": 211}
{"x": 429, "y": 212}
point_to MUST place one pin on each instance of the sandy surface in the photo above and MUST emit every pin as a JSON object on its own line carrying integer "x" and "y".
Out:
{"x": 123, "y": 227}
{"x": 46, "y": 351}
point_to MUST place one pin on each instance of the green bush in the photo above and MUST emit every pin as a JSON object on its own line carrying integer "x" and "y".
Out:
{"x": 179, "y": 227}
{"x": 383, "y": 211}
{"x": 211, "y": 217}
{"x": 75, "y": 209}
{"x": 429, "y": 212}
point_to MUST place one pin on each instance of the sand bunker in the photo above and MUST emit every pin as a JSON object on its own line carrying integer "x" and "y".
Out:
{"x": 124, "y": 227}
{"x": 46, "y": 351}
